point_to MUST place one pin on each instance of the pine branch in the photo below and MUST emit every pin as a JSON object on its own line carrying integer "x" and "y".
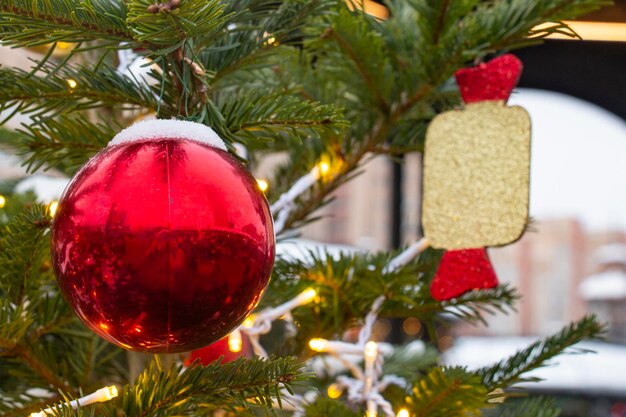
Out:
{"x": 511, "y": 370}
{"x": 505, "y": 24}
{"x": 65, "y": 143}
{"x": 276, "y": 116}
{"x": 411, "y": 360}
{"x": 325, "y": 407}
{"x": 34, "y": 362}
{"x": 447, "y": 392}
{"x": 247, "y": 53}
{"x": 35, "y": 22}
{"x": 85, "y": 360}
{"x": 23, "y": 247}
{"x": 177, "y": 391}
{"x": 173, "y": 24}
{"x": 53, "y": 316}
{"x": 286, "y": 23}
{"x": 441, "y": 18}
{"x": 14, "y": 326}
{"x": 531, "y": 407}
{"x": 37, "y": 365}
{"x": 54, "y": 93}
{"x": 227, "y": 63}
{"x": 349, "y": 37}
{"x": 435, "y": 16}
{"x": 473, "y": 306}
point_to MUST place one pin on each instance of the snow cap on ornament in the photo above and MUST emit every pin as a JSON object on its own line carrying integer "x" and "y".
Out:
{"x": 163, "y": 241}
{"x": 477, "y": 163}
{"x": 160, "y": 129}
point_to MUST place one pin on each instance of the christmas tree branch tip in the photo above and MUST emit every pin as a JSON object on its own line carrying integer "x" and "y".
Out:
{"x": 511, "y": 370}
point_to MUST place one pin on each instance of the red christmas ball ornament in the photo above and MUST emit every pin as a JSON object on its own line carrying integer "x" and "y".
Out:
{"x": 461, "y": 271}
{"x": 163, "y": 241}
{"x": 221, "y": 349}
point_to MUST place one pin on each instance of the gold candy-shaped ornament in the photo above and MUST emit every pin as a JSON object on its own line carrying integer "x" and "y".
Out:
{"x": 477, "y": 163}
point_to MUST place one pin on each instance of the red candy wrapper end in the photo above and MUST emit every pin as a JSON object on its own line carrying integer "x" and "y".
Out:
{"x": 490, "y": 81}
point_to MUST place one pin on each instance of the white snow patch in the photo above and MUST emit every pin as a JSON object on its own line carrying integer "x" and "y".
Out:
{"x": 613, "y": 253}
{"x": 600, "y": 372}
{"x": 46, "y": 189}
{"x": 11, "y": 167}
{"x": 608, "y": 285}
{"x": 170, "y": 129}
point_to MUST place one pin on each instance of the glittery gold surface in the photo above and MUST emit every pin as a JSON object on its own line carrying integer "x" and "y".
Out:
{"x": 476, "y": 176}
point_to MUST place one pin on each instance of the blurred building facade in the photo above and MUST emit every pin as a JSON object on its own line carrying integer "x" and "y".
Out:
{"x": 605, "y": 290}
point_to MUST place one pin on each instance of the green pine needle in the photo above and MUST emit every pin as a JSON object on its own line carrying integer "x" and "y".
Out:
{"x": 272, "y": 116}
{"x": 36, "y": 22}
{"x": 61, "y": 90}
{"x": 530, "y": 407}
{"x": 240, "y": 384}
{"x": 65, "y": 143}
{"x": 325, "y": 407}
{"x": 170, "y": 28}
{"x": 23, "y": 248}
{"x": 447, "y": 392}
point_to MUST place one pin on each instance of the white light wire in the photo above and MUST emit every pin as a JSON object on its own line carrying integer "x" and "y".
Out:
{"x": 283, "y": 207}
{"x": 365, "y": 386}
{"x": 261, "y": 323}
{"x": 101, "y": 395}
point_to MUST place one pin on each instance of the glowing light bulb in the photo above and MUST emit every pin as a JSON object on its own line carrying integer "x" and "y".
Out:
{"x": 103, "y": 394}
{"x": 318, "y": 345}
{"x": 72, "y": 83}
{"x": 334, "y": 391}
{"x": 3, "y": 201}
{"x": 235, "y": 342}
{"x": 263, "y": 185}
{"x": 403, "y": 413}
{"x": 269, "y": 39}
{"x": 371, "y": 350}
{"x": 370, "y": 413}
{"x": 248, "y": 322}
{"x": 308, "y": 295}
{"x": 52, "y": 208}
{"x": 110, "y": 392}
{"x": 324, "y": 168}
